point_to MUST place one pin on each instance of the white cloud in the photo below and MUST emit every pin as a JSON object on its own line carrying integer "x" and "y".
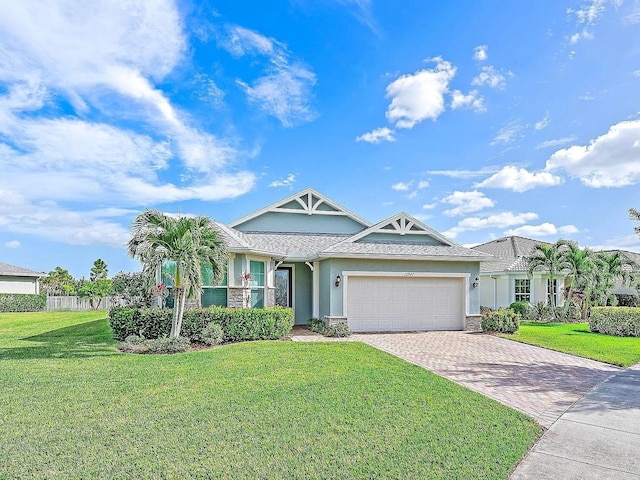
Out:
{"x": 423, "y": 184}
{"x": 589, "y": 12}
{"x": 377, "y": 135}
{"x": 633, "y": 18}
{"x": 429, "y": 206}
{"x": 387, "y": 204}
{"x": 490, "y": 77}
{"x": 584, "y": 34}
{"x": 472, "y": 101}
{"x": 466, "y": 202}
{"x": 416, "y": 97}
{"x": 519, "y": 179}
{"x": 463, "y": 173}
{"x": 412, "y": 195}
{"x": 556, "y": 142}
{"x": 624, "y": 242}
{"x": 401, "y": 186}
{"x": 13, "y": 244}
{"x": 107, "y": 67}
{"x": 542, "y": 123}
{"x": 49, "y": 220}
{"x": 499, "y": 220}
{"x": 285, "y": 182}
{"x": 542, "y": 230}
{"x": 284, "y": 90}
{"x": 508, "y": 133}
{"x": 611, "y": 160}
{"x": 480, "y": 53}
{"x": 636, "y": 73}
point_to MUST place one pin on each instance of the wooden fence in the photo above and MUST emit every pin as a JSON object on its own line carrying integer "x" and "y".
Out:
{"x": 78, "y": 304}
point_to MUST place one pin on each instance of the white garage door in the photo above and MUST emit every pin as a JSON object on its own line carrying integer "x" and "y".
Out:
{"x": 385, "y": 304}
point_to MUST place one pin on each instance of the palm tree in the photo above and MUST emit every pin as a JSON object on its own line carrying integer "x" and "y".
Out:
{"x": 614, "y": 265}
{"x": 189, "y": 242}
{"x": 548, "y": 257}
{"x": 634, "y": 214}
{"x": 581, "y": 264}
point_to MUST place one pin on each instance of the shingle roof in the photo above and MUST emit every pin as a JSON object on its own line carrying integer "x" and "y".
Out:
{"x": 511, "y": 253}
{"x": 12, "y": 270}
{"x": 402, "y": 249}
{"x": 293, "y": 245}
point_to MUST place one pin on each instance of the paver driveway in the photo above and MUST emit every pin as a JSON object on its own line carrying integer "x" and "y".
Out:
{"x": 539, "y": 382}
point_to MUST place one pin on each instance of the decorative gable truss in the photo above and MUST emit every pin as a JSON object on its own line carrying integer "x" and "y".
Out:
{"x": 308, "y": 202}
{"x": 402, "y": 225}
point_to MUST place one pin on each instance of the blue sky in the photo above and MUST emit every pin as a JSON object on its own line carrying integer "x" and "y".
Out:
{"x": 480, "y": 118}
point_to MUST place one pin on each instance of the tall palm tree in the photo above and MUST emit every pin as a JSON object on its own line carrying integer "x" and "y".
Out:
{"x": 634, "y": 214}
{"x": 581, "y": 264}
{"x": 189, "y": 242}
{"x": 548, "y": 258}
{"x": 615, "y": 265}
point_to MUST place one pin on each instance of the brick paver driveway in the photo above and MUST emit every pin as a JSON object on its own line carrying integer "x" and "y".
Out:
{"x": 539, "y": 382}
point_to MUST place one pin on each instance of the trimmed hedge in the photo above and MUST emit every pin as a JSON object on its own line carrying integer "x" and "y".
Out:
{"x": 143, "y": 322}
{"x": 619, "y": 321}
{"x": 627, "y": 300}
{"x": 520, "y": 307}
{"x": 503, "y": 320}
{"x": 23, "y": 302}
{"x": 237, "y": 324}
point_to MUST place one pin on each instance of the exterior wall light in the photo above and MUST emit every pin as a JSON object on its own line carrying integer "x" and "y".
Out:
{"x": 475, "y": 283}
{"x": 338, "y": 280}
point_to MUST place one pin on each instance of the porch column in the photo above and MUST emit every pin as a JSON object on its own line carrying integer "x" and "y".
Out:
{"x": 315, "y": 282}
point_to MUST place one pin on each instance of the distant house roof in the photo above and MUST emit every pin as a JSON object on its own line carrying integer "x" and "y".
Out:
{"x": 511, "y": 254}
{"x": 14, "y": 271}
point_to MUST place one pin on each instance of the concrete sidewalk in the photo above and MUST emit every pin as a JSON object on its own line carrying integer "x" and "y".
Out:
{"x": 597, "y": 438}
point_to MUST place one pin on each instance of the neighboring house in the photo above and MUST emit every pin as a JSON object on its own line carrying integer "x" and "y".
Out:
{"x": 311, "y": 254}
{"x": 506, "y": 280}
{"x": 19, "y": 280}
{"x": 627, "y": 289}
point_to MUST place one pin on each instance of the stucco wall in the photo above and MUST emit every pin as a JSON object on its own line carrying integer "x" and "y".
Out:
{"x": 17, "y": 285}
{"x": 331, "y": 297}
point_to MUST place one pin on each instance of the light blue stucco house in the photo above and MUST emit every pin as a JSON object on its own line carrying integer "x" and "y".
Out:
{"x": 310, "y": 253}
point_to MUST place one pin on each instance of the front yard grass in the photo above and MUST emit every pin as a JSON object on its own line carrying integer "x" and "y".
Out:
{"x": 75, "y": 407}
{"x": 577, "y": 339}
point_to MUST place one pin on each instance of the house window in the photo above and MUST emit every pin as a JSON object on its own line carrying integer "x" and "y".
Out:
{"x": 211, "y": 294}
{"x": 257, "y": 283}
{"x": 553, "y": 299}
{"x": 523, "y": 290}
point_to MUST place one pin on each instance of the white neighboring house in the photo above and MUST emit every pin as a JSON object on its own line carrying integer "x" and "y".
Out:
{"x": 635, "y": 257}
{"x": 506, "y": 280}
{"x": 19, "y": 280}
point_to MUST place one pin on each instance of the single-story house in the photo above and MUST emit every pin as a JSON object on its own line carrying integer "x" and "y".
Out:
{"x": 506, "y": 280}
{"x": 635, "y": 271}
{"x": 309, "y": 253}
{"x": 19, "y": 280}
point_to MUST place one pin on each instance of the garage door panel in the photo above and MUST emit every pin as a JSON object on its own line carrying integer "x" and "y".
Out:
{"x": 405, "y": 303}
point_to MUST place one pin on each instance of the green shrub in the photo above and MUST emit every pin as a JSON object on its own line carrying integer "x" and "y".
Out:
{"x": 620, "y": 321}
{"x": 23, "y": 302}
{"x": 168, "y": 345}
{"x": 338, "y": 330}
{"x": 484, "y": 309}
{"x": 503, "y": 320}
{"x": 316, "y": 325}
{"x": 145, "y": 322}
{"x": 212, "y": 334}
{"x": 520, "y": 307}
{"x": 134, "y": 344}
{"x": 255, "y": 323}
{"x": 627, "y": 300}
{"x": 540, "y": 312}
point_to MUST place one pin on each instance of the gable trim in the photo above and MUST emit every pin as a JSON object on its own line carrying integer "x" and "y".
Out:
{"x": 310, "y": 206}
{"x": 402, "y": 224}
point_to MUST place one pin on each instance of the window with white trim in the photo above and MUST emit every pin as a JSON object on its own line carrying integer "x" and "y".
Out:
{"x": 257, "y": 283}
{"x": 522, "y": 290}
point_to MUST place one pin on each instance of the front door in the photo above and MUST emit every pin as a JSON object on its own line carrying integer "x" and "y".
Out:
{"x": 284, "y": 287}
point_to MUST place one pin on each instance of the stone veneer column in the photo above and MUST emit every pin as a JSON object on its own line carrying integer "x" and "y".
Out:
{"x": 234, "y": 299}
{"x": 473, "y": 323}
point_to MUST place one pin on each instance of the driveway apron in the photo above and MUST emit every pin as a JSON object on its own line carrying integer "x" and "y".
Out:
{"x": 597, "y": 438}
{"x": 536, "y": 381}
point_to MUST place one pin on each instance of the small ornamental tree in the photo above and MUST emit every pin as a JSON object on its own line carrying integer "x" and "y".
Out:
{"x": 189, "y": 242}
{"x": 95, "y": 291}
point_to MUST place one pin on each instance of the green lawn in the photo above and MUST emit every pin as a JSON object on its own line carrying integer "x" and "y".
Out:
{"x": 74, "y": 407}
{"x": 575, "y": 338}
